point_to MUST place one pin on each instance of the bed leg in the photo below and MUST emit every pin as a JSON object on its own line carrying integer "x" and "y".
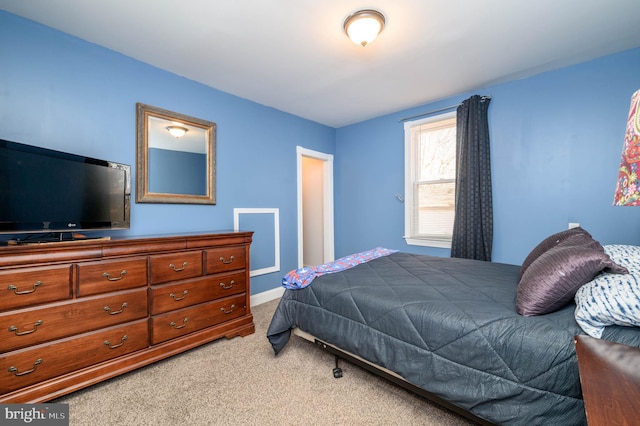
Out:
{"x": 337, "y": 372}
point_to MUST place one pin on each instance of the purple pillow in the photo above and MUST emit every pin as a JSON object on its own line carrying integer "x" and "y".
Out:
{"x": 552, "y": 241}
{"x": 553, "y": 279}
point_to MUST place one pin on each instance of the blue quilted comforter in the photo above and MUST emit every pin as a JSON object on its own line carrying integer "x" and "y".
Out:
{"x": 450, "y": 327}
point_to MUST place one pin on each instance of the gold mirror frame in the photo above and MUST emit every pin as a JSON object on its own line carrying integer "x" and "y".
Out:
{"x": 149, "y": 122}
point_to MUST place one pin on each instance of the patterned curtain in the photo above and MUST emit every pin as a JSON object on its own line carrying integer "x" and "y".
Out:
{"x": 473, "y": 224}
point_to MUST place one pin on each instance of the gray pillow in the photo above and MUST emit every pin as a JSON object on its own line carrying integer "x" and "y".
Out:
{"x": 551, "y": 281}
{"x": 552, "y": 241}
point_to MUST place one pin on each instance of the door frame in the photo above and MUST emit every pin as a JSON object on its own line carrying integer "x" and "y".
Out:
{"x": 327, "y": 172}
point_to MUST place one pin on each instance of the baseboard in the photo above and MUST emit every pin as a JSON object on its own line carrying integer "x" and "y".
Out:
{"x": 266, "y": 296}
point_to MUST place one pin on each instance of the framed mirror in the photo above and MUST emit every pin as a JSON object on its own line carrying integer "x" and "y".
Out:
{"x": 176, "y": 157}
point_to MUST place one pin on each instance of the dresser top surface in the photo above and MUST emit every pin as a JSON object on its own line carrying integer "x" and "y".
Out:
{"x": 95, "y": 249}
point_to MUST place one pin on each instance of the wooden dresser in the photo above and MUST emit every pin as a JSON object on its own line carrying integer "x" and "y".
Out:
{"x": 73, "y": 314}
{"x": 610, "y": 380}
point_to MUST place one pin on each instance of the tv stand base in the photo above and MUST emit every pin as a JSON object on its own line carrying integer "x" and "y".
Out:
{"x": 53, "y": 237}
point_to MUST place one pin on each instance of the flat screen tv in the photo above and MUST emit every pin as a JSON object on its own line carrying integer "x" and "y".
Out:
{"x": 57, "y": 195}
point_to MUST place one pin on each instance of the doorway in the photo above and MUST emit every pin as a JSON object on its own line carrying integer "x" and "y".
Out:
{"x": 315, "y": 207}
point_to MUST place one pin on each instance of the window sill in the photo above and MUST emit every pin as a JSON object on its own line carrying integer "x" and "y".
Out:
{"x": 425, "y": 242}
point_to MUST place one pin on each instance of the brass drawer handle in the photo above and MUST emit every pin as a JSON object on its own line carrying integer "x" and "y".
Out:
{"x": 226, "y": 262}
{"x": 184, "y": 266}
{"x": 14, "y": 370}
{"x": 177, "y": 299}
{"x": 230, "y": 309}
{"x": 108, "y": 309}
{"x": 174, "y": 325}
{"x": 14, "y": 329}
{"x": 108, "y": 343}
{"x": 108, "y": 276}
{"x": 227, "y": 287}
{"x": 15, "y": 289}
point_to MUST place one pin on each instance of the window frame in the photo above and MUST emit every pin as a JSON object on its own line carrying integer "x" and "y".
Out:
{"x": 409, "y": 169}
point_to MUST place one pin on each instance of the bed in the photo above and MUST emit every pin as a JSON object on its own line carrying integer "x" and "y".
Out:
{"x": 451, "y": 328}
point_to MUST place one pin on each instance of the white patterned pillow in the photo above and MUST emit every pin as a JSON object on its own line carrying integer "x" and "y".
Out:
{"x": 611, "y": 299}
{"x": 627, "y": 256}
{"x": 621, "y": 251}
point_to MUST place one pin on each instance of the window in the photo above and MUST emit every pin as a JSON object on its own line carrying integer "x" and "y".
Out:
{"x": 430, "y": 180}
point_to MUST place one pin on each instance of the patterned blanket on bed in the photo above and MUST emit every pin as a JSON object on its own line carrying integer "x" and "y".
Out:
{"x": 302, "y": 277}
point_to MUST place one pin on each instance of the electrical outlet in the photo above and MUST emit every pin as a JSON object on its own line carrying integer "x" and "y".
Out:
{"x": 573, "y": 225}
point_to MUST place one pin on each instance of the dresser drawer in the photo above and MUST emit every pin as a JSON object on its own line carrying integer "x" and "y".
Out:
{"x": 27, "y": 327}
{"x": 225, "y": 259}
{"x": 169, "y": 297}
{"x": 113, "y": 275}
{"x": 32, "y": 286}
{"x": 176, "y": 266}
{"x": 26, "y": 367}
{"x": 178, "y": 323}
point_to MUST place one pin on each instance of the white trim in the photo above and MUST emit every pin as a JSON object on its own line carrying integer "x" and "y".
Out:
{"x": 408, "y": 187}
{"x": 428, "y": 243}
{"x": 266, "y": 296}
{"x": 327, "y": 205}
{"x": 408, "y": 182}
{"x": 276, "y": 237}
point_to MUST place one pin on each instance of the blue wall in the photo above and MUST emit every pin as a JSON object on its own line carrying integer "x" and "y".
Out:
{"x": 556, "y": 143}
{"x": 63, "y": 93}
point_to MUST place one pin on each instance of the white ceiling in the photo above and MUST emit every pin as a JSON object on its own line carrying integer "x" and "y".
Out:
{"x": 293, "y": 55}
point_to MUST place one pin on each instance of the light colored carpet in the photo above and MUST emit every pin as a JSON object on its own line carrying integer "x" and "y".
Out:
{"x": 240, "y": 381}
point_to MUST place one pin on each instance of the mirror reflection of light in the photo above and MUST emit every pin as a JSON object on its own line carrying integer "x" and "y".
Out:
{"x": 177, "y": 131}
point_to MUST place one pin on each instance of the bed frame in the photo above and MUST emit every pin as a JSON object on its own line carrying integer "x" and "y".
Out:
{"x": 386, "y": 374}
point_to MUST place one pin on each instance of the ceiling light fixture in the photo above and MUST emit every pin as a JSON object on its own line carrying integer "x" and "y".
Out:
{"x": 364, "y": 26}
{"x": 177, "y": 131}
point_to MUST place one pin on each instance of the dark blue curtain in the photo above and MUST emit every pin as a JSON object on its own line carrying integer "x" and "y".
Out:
{"x": 473, "y": 224}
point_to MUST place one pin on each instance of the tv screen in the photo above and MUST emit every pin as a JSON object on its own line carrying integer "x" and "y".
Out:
{"x": 47, "y": 191}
